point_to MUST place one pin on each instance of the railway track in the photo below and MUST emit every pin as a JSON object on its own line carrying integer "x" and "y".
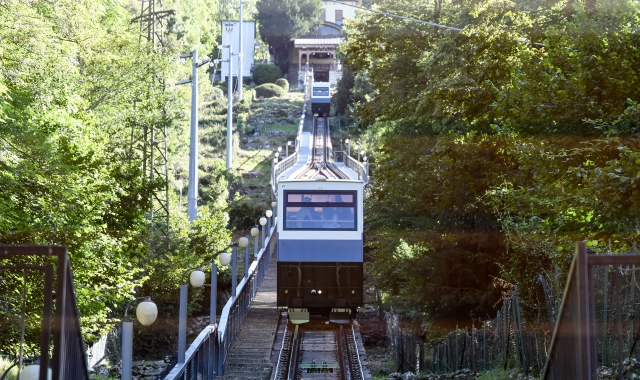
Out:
{"x": 321, "y": 163}
{"x": 317, "y": 350}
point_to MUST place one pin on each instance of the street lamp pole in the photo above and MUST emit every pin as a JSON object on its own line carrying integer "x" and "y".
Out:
{"x": 229, "y": 103}
{"x": 240, "y": 57}
{"x": 196, "y": 279}
{"x": 214, "y": 294}
{"x": 146, "y": 312}
{"x": 246, "y": 258}
{"x": 192, "y": 192}
{"x": 255, "y": 232}
{"x": 268, "y": 213}
{"x": 263, "y": 221}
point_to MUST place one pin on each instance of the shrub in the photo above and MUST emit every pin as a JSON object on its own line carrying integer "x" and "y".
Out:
{"x": 269, "y": 90}
{"x": 265, "y": 73}
{"x": 283, "y": 83}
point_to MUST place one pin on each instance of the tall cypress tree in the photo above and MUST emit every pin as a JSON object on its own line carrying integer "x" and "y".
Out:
{"x": 282, "y": 20}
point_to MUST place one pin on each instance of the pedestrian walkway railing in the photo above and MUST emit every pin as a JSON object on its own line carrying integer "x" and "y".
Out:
{"x": 587, "y": 318}
{"x": 290, "y": 161}
{"x": 206, "y": 356}
{"x": 357, "y": 167}
{"x": 69, "y": 361}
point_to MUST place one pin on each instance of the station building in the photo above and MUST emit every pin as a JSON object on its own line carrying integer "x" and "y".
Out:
{"x": 318, "y": 47}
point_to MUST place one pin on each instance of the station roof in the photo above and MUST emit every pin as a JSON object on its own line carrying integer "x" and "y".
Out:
{"x": 299, "y": 42}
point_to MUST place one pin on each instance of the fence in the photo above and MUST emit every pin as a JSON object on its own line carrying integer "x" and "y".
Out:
{"x": 289, "y": 162}
{"x": 595, "y": 328}
{"x": 68, "y": 361}
{"x": 502, "y": 342}
{"x": 597, "y": 324}
{"x": 357, "y": 167}
{"x": 206, "y": 356}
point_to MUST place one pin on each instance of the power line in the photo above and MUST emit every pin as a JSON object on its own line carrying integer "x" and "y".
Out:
{"x": 426, "y": 22}
{"x": 401, "y": 17}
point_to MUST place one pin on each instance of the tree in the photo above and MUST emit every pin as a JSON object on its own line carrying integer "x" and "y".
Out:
{"x": 514, "y": 132}
{"x": 282, "y": 20}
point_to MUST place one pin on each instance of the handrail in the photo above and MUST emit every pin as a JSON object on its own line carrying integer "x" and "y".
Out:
{"x": 357, "y": 167}
{"x": 292, "y": 159}
{"x": 202, "y": 342}
{"x": 208, "y": 360}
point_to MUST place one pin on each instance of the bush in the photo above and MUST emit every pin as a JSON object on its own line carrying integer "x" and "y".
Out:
{"x": 265, "y": 73}
{"x": 283, "y": 83}
{"x": 269, "y": 90}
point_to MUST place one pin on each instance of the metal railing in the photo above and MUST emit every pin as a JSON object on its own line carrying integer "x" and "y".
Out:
{"x": 357, "y": 167}
{"x": 580, "y": 341}
{"x": 69, "y": 361}
{"x": 291, "y": 161}
{"x": 206, "y": 356}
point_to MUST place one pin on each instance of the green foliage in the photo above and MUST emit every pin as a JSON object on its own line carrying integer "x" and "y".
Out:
{"x": 243, "y": 212}
{"x": 282, "y": 20}
{"x": 269, "y": 90}
{"x": 283, "y": 83}
{"x": 73, "y": 112}
{"x": 266, "y": 73}
{"x": 498, "y": 147}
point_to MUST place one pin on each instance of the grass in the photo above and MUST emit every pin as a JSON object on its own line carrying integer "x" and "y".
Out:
{"x": 276, "y": 121}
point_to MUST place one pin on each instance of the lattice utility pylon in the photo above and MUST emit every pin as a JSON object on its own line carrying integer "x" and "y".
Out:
{"x": 152, "y": 137}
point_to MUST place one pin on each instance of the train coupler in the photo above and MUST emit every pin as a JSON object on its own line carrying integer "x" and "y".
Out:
{"x": 340, "y": 316}
{"x": 298, "y": 316}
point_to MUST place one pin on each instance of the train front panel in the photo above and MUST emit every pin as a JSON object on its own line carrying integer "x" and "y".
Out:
{"x": 320, "y": 245}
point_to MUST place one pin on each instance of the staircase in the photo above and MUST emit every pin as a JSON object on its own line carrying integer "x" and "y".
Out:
{"x": 249, "y": 358}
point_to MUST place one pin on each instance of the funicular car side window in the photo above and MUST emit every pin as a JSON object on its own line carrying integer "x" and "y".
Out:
{"x": 320, "y": 210}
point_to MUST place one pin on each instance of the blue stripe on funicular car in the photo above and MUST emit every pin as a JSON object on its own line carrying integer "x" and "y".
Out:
{"x": 321, "y": 100}
{"x": 320, "y": 250}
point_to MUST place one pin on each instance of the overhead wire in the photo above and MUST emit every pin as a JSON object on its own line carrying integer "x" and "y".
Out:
{"x": 522, "y": 40}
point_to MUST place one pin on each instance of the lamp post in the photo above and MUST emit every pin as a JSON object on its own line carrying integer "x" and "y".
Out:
{"x": 268, "y": 213}
{"x": 196, "y": 278}
{"x": 287, "y": 148}
{"x": 192, "y": 192}
{"x": 229, "y": 102}
{"x": 297, "y": 143}
{"x": 245, "y": 240}
{"x": 146, "y": 312}
{"x": 357, "y": 150}
{"x": 359, "y": 153}
{"x": 365, "y": 161}
{"x": 274, "y": 207}
{"x": 240, "y": 56}
{"x": 263, "y": 221}
{"x": 255, "y": 232}
{"x": 348, "y": 142}
{"x": 242, "y": 242}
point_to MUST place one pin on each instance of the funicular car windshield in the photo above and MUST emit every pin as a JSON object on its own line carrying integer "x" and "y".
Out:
{"x": 320, "y": 210}
{"x": 321, "y": 91}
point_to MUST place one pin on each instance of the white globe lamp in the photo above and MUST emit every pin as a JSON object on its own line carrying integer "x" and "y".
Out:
{"x": 255, "y": 231}
{"x": 225, "y": 258}
{"x": 196, "y": 278}
{"x": 263, "y": 221}
{"x": 147, "y": 312}
{"x": 268, "y": 213}
{"x": 243, "y": 242}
